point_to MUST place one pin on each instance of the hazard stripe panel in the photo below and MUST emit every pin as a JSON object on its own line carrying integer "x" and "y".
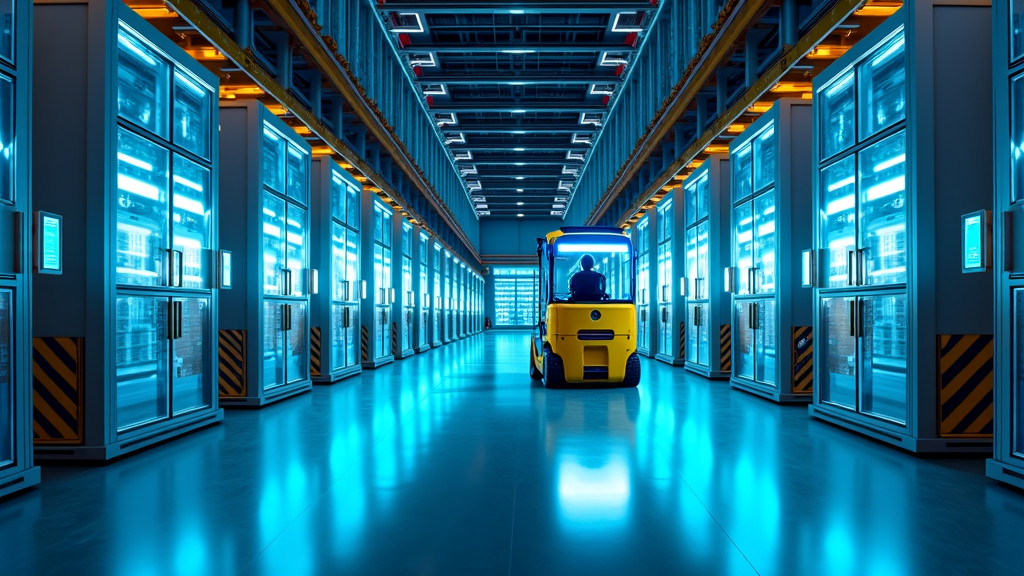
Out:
{"x": 965, "y": 385}
{"x": 57, "y": 370}
{"x": 394, "y": 339}
{"x": 682, "y": 339}
{"x": 364, "y": 343}
{"x": 725, "y": 346}
{"x": 803, "y": 360}
{"x": 314, "y": 351}
{"x": 231, "y": 365}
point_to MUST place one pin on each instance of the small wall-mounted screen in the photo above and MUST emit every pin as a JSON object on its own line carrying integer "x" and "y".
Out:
{"x": 974, "y": 233}
{"x": 48, "y": 232}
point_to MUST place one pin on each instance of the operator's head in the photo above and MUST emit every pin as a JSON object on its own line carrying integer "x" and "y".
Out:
{"x": 587, "y": 262}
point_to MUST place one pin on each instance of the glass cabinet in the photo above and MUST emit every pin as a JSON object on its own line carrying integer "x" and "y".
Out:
{"x": 423, "y": 337}
{"x": 266, "y": 327}
{"x": 408, "y": 296}
{"x": 334, "y": 252}
{"x": 643, "y": 286}
{"x": 891, "y": 317}
{"x": 146, "y": 187}
{"x": 377, "y": 317}
{"x": 771, "y": 225}
{"x": 435, "y": 300}
{"x": 665, "y": 275}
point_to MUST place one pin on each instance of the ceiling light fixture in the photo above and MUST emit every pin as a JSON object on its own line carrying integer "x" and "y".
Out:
{"x": 520, "y": 215}
{"x": 520, "y": 177}
{"x": 518, "y": 51}
{"x": 519, "y": 189}
{"x": 519, "y": 149}
{"x": 519, "y": 203}
{"x": 519, "y": 111}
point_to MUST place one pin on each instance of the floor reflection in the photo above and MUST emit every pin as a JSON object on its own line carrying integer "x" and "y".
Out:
{"x": 454, "y": 462}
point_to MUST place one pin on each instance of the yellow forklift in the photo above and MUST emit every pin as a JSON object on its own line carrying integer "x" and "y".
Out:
{"x": 586, "y": 333}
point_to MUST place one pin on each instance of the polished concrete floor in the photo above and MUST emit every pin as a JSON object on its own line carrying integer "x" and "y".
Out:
{"x": 453, "y": 462}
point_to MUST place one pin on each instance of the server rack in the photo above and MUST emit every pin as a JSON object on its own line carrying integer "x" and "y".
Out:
{"x": 265, "y": 318}
{"x": 771, "y": 226}
{"x": 644, "y": 281}
{"x": 1007, "y": 463}
{"x": 671, "y": 293}
{"x": 127, "y": 333}
{"x": 708, "y": 329}
{"x": 17, "y": 468}
{"x": 899, "y": 121}
{"x": 435, "y": 301}
{"x": 422, "y": 273}
{"x": 405, "y": 305}
{"x": 446, "y": 299}
{"x": 463, "y": 299}
{"x": 376, "y": 333}
{"x": 334, "y": 308}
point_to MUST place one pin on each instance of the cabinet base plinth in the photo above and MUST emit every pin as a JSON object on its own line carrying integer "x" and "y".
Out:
{"x": 707, "y": 372}
{"x": 1003, "y": 472}
{"x": 20, "y": 481}
{"x": 769, "y": 392}
{"x": 157, "y": 435}
{"x": 917, "y": 445}
{"x": 269, "y": 396}
{"x": 422, "y": 348}
{"x": 671, "y": 360}
{"x": 378, "y": 362}
{"x": 405, "y": 353}
{"x": 338, "y": 375}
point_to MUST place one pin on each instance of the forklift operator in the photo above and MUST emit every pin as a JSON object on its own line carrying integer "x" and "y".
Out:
{"x": 587, "y": 284}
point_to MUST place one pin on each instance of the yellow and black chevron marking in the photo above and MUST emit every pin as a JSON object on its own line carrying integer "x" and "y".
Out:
{"x": 394, "y": 339}
{"x": 803, "y": 360}
{"x": 314, "y": 351}
{"x": 231, "y": 370}
{"x": 364, "y": 343}
{"x": 57, "y": 390}
{"x": 725, "y": 345}
{"x": 682, "y": 339}
{"x": 965, "y": 385}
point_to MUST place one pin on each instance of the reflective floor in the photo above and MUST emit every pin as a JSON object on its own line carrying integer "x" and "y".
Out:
{"x": 453, "y": 462}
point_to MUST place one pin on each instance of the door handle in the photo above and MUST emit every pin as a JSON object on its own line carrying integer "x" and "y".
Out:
{"x": 861, "y": 268}
{"x": 286, "y": 274}
{"x": 752, "y": 319}
{"x": 177, "y": 268}
{"x": 347, "y": 318}
{"x": 172, "y": 319}
{"x": 851, "y": 275}
{"x": 853, "y": 318}
{"x": 286, "y": 317}
{"x": 751, "y": 289}
{"x": 180, "y": 321}
{"x": 696, "y": 315}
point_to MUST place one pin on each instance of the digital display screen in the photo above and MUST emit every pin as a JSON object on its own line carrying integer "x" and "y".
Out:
{"x": 47, "y": 232}
{"x": 225, "y": 269}
{"x": 974, "y": 232}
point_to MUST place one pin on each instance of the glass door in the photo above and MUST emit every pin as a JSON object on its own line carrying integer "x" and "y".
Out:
{"x": 665, "y": 278}
{"x": 409, "y": 300}
{"x": 436, "y": 300}
{"x": 296, "y": 334}
{"x": 190, "y": 344}
{"x": 424, "y": 291}
{"x": 6, "y": 377}
{"x": 141, "y": 357}
{"x": 274, "y": 313}
{"x": 351, "y": 313}
{"x": 643, "y": 285}
{"x": 339, "y": 294}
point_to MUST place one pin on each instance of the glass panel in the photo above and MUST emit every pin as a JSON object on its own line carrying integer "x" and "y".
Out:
{"x": 141, "y": 360}
{"x": 1016, "y": 136}
{"x": 703, "y": 337}
{"x": 703, "y": 197}
{"x": 744, "y": 246}
{"x": 764, "y": 158}
{"x": 691, "y": 204}
{"x": 6, "y": 139}
{"x": 353, "y": 207}
{"x": 1016, "y": 29}
{"x": 7, "y": 18}
{"x": 6, "y": 377}
{"x": 765, "y": 343}
{"x": 297, "y": 359}
{"x": 298, "y": 223}
{"x": 273, "y": 244}
{"x": 837, "y": 109}
{"x": 884, "y": 348}
{"x": 338, "y": 263}
{"x": 191, "y": 220}
{"x": 703, "y": 246}
{"x": 742, "y": 173}
{"x": 840, "y": 353}
{"x": 692, "y": 332}
{"x": 142, "y": 78}
{"x": 298, "y": 174}
{"x": 351, "y": 340}
{"x": 192, "y": 119}
{"x": 378, "y": 224}
{"x": 273, "y": 159}
{"x": 352, "y": 267}
{"x": 838, "y": 185}
{"x": 1017, "y": 370}
{"x": 744, "y": 341}
{"x": 141, "y": 210}
{"x": 764, "y": 250}
{"x": 192, "y": 375}
{"x": 338, "y": 336}
{"x": 883, "y": 88}
{"x": 580, "y": 271}
{"x": 883, "y": 212}
{"x": 691, "y": 261}
{"x": 273, "y": 344}
{"x": 338, "y": 198}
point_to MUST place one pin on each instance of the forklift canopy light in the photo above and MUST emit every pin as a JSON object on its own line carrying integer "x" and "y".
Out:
{"x": 577, "y": 248}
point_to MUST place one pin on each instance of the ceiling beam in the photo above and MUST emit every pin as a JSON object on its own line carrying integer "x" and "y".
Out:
{"x": 513, "y": 80}
{"x": 512, "y": 107}
{"x": 527, "y": 6}
{"x": 474, "y": 128}
{"x": 519, "y": 48}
